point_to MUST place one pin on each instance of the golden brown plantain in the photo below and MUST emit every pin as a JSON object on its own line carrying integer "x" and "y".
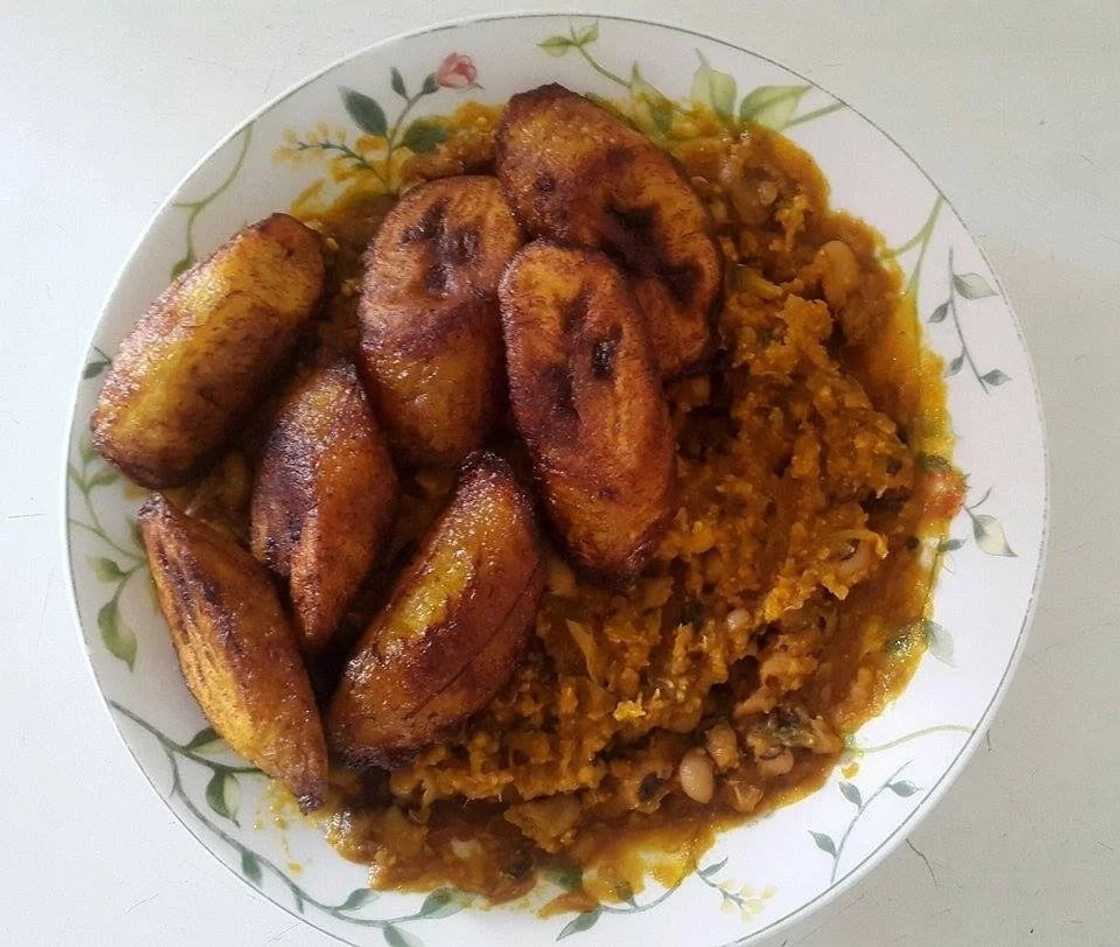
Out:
{"x": 202, "y": 355}
{"x": 587, "y": 399}
{"x": 324, "y": 497}
{"x": 431, "y": 350}
{"x": 575, "y": 174}
{"x": 236, "y": 648}
{"x": 454, "y": 628}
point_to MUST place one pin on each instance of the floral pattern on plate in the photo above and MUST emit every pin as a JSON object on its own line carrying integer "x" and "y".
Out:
{"x": 900, "y": 762}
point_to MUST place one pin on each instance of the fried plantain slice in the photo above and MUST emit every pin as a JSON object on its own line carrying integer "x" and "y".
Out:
{"x": 236, "y": 648}
{"x": 431, "y": 350}
{"x": 587, "y": 399}
{"x": 323, "y": 498}
{"x": 575, "y": 174}
{"x": 454, "y": 628}
{"x": 203, "y": 354}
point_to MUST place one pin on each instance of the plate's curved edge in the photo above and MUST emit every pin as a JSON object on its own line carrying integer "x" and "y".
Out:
{"x": 964, "y": 755}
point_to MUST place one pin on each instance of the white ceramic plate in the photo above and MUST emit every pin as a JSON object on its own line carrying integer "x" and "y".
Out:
{"x": 762, "y": 874}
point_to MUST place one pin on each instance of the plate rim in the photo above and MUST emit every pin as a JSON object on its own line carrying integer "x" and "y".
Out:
{"x": 964, "y": 755}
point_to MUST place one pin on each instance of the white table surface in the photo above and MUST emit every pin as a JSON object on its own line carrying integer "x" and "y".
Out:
{"x": 1013, "y": 109}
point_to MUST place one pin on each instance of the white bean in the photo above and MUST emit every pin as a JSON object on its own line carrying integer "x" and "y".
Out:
{"x": 723, "y": 747}
{"x": 696, "y": 776}
{"x": 841, "y": 271}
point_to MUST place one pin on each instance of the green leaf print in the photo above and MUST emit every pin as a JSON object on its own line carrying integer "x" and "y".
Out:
{"x": 972, "y": 285}
{"x": 396, "y": 80}
{"x": 106, "y": 569}
{"x": 366, "y": 113}
{"x": 990, "y": 536}
{"x": 423, "y": 135}
{"x": 117, "y": 636}
{"x": 660, "y": 108}
{"x": 443, "y": 902}
{"x": 713, "y": 869}
{"x": 204, "y": 739}
{"x": 939, "y": 643}
{"x": 397, "y": 937}
{"x": 851, "y": 792}
{"x": 579, "y": 923}
{"x": 771, "y": 106}
{"x": 223, "y": 795}
{"x": 250, "y": 867}
{"x": 713, "y": 89}
{"x": 95, "y": 368}
{"x": 824, "y": 842}
{"x": 358, "y": 898}
{"x": 556, "y": 45}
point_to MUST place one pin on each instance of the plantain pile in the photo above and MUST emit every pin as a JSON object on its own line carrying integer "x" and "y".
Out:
{"x": 515, "y": 333}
